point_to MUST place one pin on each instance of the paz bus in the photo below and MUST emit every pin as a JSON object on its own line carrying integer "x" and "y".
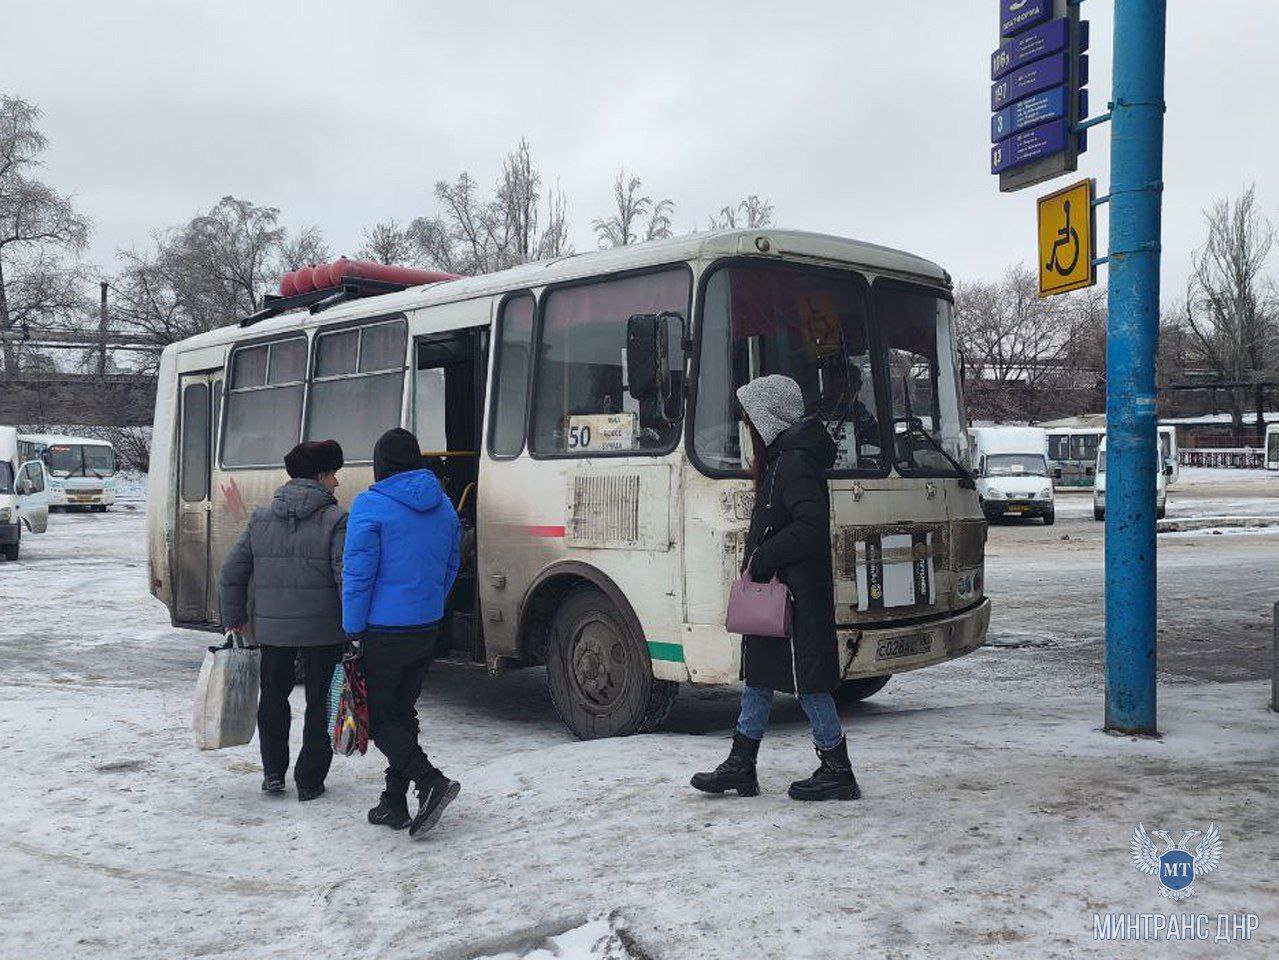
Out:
{"x": 580, "y": 412}
{"x": 81, "y": 469}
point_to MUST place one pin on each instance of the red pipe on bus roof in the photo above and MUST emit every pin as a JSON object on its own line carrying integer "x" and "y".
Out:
{"x": 302, "y": 280}
{"x": 368, "y": 270}
{"x": 320, "y": 275}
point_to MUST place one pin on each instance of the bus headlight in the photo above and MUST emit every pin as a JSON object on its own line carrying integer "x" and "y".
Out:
{"x": 1046, "y": 494}
{"x": 994, "y": 494}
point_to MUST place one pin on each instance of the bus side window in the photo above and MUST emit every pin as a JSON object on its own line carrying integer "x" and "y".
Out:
{"x": 582, "y": 405}
{"x": 357, "y": 386}
{"x": 264, "y": 402}
{"x": 510, "y": 377}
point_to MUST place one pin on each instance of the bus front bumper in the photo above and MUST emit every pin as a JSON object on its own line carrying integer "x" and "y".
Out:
{"x": 876, "y": 652}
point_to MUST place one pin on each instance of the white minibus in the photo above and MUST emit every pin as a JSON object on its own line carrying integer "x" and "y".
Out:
{"x": 23, "y": 495}
{"x": 581, "y": 414}
{"x": 1162, "y": 473}
{"x": 81, "y": 469}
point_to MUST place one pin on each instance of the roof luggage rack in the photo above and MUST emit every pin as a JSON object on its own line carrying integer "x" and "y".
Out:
{"x": 317, "y": 300}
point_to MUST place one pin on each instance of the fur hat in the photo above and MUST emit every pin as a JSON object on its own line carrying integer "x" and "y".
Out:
{"x": 773, "y": 403}
{"x": 311, "y": 458}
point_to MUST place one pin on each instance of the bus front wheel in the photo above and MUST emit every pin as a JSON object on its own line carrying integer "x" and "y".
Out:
{"x": 599, "y": 672}
{"x": 855, "y": 691}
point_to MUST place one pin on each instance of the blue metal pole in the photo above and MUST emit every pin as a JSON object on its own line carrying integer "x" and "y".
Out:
{"x": 1136, "y": 169}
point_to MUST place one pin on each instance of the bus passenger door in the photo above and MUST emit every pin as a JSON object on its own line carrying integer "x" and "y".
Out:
{"x": 194, "y": 591}
{"x": 448, "y": 404}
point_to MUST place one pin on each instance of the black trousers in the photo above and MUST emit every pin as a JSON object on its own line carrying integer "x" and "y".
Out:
{"x": 395, "y": 665}
{"x": 274, "y": 715}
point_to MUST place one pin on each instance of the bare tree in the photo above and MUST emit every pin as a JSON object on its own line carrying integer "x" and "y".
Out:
{"x": 637, "y": 216}
{"x": 38, "y": 228}
{"x": 307, "y": 246}
{"x": 388, "y": 242}
{"x": 1020, "y": 351}
{"x": 1230, "y": 306}
{"x": 210, "y": 271}
{"x": 751, "y": 213}
{"x": 473, "y": 233}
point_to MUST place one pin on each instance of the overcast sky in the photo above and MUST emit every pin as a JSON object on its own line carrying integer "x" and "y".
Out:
{"x": 860, "y": 118}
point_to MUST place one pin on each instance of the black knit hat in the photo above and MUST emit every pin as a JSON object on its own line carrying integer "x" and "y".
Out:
{"x": 397, "y": 451}
{"x": 311, "y": 458}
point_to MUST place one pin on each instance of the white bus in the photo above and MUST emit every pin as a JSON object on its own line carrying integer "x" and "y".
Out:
{"x": 1163, "y": 473}
{"x": 581, "y": 415}
{"x": 81, "y": 469}
{"x": 1072, "y": 455}
{"x": 1272, "y": 446}
{"x": 23, "y": 495}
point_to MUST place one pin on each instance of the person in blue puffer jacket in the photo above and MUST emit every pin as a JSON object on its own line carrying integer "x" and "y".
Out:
{"x": 403, "y": 546}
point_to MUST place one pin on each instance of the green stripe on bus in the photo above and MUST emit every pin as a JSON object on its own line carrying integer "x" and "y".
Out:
{"x": 673, "y": 652}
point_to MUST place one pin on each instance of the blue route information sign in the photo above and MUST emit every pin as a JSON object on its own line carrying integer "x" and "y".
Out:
{"x": 1037, "y": 96}
{"x": 1029, "y": 145}
{"x": 1052, "y": 37}
{"x": 1032, "y": 111}
{"x": 1033, "y": 77}
{"x": 1018, "y": 15}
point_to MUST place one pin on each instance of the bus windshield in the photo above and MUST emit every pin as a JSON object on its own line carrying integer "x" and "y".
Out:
{"x": 815, "y": 327}
{"x": 1015, "y": 465}
{"x": 79, "y": 460}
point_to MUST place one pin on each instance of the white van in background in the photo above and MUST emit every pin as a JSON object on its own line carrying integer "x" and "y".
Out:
{"x": 1272, "y": 446}
{"x": 81, "y": 469}
{"x": 1162, "y": 472}
{"x": 1168, "y": 451}
{"x": 1013, "y": 479}
{"x": 23, "y": 495}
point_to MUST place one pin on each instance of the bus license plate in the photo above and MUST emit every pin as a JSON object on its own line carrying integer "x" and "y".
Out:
{"x": 894, "y": 648}
{"x": 1015, "y": 509}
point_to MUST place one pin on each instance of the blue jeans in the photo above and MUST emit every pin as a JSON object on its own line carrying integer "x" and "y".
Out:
{"x": 757, "y": 704}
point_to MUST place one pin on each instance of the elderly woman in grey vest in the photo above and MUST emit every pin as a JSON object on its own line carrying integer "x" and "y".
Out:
{"x": 291, "y": 552}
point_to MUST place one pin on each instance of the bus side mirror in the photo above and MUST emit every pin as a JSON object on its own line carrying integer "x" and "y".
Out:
{"x": 1057, "y": 473}
{"x": 1168, "y": 470}
{"x": 649, "y": 376}
{"x": 645, "y": 357}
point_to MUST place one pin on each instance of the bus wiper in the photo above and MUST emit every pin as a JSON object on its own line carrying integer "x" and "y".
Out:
{"x": 915, "y": 427}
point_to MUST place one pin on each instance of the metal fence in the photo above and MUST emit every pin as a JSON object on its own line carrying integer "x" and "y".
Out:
{"x": 1239, "y": 458}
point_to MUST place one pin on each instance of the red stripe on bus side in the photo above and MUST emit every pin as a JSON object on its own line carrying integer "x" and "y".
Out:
{"x": 550, "y": 532}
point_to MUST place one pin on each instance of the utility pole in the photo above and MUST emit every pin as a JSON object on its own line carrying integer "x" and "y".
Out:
{"x": 1136, "y": 193}
{"x": 102, "y": 329}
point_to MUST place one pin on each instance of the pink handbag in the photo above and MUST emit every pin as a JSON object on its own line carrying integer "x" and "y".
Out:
{"x": 759, "y": 609}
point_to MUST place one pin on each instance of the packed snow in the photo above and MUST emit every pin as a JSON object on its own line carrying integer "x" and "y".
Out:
{"x": 995, "y": 821}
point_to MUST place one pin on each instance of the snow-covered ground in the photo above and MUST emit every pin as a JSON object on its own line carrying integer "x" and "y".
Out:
{"x": 995, "y": 822}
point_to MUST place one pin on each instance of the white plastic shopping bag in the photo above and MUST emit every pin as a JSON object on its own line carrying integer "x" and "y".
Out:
{"x": 226, "y": 695}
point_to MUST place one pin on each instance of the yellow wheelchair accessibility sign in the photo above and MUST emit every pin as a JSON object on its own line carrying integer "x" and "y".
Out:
{"x": 1067, "y": 240}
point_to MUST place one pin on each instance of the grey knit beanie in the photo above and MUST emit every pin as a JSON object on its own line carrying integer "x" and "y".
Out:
{"x": 773, "y": 404}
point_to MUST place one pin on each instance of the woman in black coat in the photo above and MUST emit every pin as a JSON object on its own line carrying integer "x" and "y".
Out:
{"x": 789, "y": 537}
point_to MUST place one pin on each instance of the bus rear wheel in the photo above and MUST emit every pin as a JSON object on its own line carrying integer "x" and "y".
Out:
{"x": 599, "y": 672}
{"x": 855, "y": 691}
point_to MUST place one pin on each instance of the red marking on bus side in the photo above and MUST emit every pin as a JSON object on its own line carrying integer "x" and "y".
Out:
{"x": 234, "y": 502}
{"x": 549, "y": 532}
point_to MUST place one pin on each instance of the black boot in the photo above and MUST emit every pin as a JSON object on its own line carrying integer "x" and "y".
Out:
{"x": 735, "y": 773}
{"x": 391, "y": 811}
{"x": 273, "y": 783}
{"x": 433, "y": 796}
{"x": 833, "y": 780}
